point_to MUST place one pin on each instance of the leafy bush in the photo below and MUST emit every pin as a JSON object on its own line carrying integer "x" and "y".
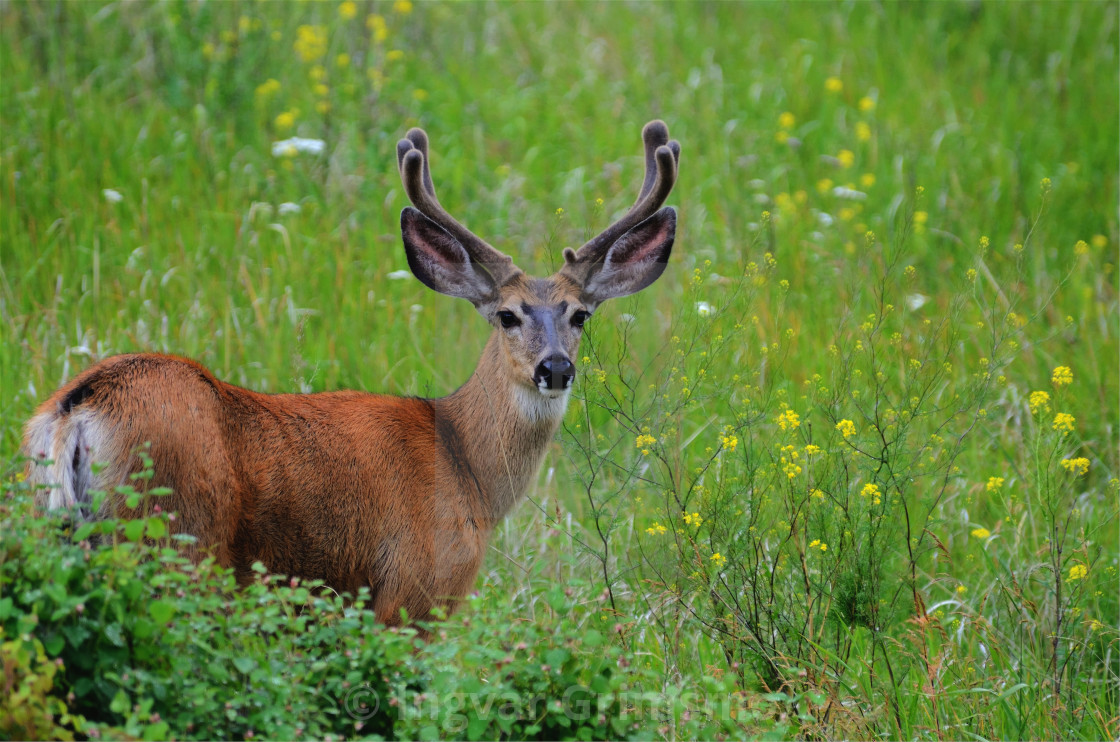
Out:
{"x": 153, "y": 646}
{"x": 112, "y": 632}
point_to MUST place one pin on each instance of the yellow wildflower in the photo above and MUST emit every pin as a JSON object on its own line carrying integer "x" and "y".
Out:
{"x": 404, "y": 7}
{"x": 961, "y": 589}
{"x": 1039, "y": 402}
{"x": 995, "y": 484}
{"x": 656, "y": 529}
{"x": 834, "y": 84}
{"x": 817, "y": 494}
{"x": 1099, "y": 241}
{"x": 693, "y": 519}
{"x": 268, "y": 88}
{"x": 846, "y": 157}
{"x": 871, "y": 490}
{"x": 719, "y": 559}
{"x": 811, "y": 450}
{"x": 1063, "y": 422}
{"x": 342, "y": 61}
{"x": 1079, "y": 467}
{"x": 729, "y": 442}
{"x": 311, "y": 42}
{"x": 789, "y": 420}
{"x": 786, "y": 120}
{"x": 866, "y": 103}
{"x": 394, "y": 55}
{"x": 847, "y": 428}
{"x": 1077, "y": 572}
{"x": 981, "y": 533}
{"x": 1062, "y": 376}
{"x": 1081, "y": 248}
{"x": 348, "y": 10}
{"x": 643, "y": 442}
{"x": 285, "y": 121}
{"x": 376, "y": 24}
{"x": 867, "y": 180}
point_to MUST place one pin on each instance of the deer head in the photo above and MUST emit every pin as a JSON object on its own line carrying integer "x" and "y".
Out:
{"x": 539, "y": 321}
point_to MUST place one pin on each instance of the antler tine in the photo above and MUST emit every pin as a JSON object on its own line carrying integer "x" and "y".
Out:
{"x": 662, "y": 156}
{"x": 655, "y": 134}
{"x": 412, "y": 160}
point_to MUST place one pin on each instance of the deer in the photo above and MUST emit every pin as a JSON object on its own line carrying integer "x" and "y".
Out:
{"x": 399, "y": 495}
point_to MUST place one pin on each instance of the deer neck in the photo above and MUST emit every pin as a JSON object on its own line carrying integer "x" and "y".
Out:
{"x": 495, "y": 433}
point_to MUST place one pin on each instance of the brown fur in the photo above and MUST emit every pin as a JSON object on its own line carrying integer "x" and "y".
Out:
{"x": 359, "y": 490}
{"x": 398, "y": 494}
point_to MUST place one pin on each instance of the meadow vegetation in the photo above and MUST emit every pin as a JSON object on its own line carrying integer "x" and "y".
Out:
{"x": 850, "y": 469}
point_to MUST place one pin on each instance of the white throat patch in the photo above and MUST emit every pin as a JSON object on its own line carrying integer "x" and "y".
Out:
{"x": 540, "y": 405}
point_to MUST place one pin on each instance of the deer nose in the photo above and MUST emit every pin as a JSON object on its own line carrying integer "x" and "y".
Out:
{"x": 555, "y": 372}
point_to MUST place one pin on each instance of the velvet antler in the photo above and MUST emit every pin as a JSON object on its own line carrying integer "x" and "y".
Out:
{"x": 412, "y": 160}
{"x": 662, "y": 156}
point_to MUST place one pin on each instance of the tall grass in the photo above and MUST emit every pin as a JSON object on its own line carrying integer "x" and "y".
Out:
{"x": 808, "y": 458}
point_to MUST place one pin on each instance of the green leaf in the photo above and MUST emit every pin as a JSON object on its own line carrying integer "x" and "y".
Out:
{"x": 115, "y": 634}
{"x": 54, "y": 644}
{"x": 156, "y": 528}
{"x": 120, "y": 703}
{"x": 161, "y": 611}
{"x": 245, "y": 664}
{"x": 143, "y": 628}
{"x": 84, "y": 531}
{"x": 134, "y": 529}
{"x": 477, "y": 727}
{"x": 557, "y": 657}
{"x": 156, "y": 731}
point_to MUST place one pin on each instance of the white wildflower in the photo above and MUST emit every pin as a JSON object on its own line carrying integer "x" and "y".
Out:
{"x": 399, "y": 275}
{"x": 703, "y": 308}
{"x": 849, "y": 193}
{"x": 916, "y": 301}
{"x": 295, "y": 145}
{"x": 112, "y": 195}
{"x": 288, "y": 208}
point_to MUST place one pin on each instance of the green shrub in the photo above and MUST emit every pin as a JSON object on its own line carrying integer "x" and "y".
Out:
{"x": 154, "y": 646}
{"x": 29, "y": 708}
{"x": 490, "y": 676}
{"x": 113, "y": 633}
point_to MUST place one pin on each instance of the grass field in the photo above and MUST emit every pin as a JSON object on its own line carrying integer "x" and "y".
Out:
{"x": 814, "y": 458}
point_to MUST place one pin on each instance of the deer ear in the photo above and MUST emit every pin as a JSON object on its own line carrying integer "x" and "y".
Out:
{"x": 440, "y": 261}
{"x": 635, "y": 260}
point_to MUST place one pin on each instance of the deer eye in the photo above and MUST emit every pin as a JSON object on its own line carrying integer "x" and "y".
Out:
{"x": 579, "y": 318}
{"x": 508, "y": 319}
